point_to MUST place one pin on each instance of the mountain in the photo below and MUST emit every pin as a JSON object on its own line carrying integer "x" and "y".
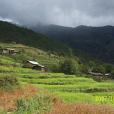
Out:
{"x": 13, "y": 33}
{"x": 95, "y": 42}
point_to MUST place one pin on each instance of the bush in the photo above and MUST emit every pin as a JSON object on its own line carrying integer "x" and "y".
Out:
{"x": 8, "y": 82}
{"x": 84, "y": 69}
{"x": 68, "y": 67}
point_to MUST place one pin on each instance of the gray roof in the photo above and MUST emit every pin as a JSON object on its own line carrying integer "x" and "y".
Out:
{"x": 35, "y": 63}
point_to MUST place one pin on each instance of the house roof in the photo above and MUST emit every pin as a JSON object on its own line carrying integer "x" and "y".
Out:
{"x": 35, "y": 63}
{"x": 95, "y": 73}
{"x": 10, "y": 49}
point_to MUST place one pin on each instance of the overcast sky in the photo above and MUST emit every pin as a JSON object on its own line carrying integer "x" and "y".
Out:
{"x": 59, "y": 12}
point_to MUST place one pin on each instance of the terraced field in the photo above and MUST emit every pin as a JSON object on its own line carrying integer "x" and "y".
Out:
{"x": 69, "y": 88}
{"x": 72, "y": 88}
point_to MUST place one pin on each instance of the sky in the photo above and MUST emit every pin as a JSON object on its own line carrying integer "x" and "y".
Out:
{"x": 60, "y": 12}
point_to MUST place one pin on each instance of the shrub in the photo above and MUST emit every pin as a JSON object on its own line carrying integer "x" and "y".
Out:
{"x": 8, "y": 82}
{"x": 84, "y": 68}
{"x": 68, "y": 67}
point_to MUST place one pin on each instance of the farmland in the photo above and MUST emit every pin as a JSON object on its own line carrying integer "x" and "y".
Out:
{"x": 77, "y": 89}
{"x": 69, "y": 88}
{"x": 72, "y": 88}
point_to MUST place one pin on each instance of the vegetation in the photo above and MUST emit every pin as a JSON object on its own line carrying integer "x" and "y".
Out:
{"x": 74, "y": 85}
{"x": 8, "y": 82}
{"x": 39, "y": 104}
{"x": 25, "y": 36}
{"x": 84, "y": 40}
{"x": 25, "y": 100}
{"x": 67, "y": 78}
{"x": 68, "y": 67}
{"x": 63, "y": 108}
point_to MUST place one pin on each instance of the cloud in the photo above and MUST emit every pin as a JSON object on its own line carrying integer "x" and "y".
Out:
{"x": 60, "y": 12}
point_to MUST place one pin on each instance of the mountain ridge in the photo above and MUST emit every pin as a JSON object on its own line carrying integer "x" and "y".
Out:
{"x": 97, "y": 42}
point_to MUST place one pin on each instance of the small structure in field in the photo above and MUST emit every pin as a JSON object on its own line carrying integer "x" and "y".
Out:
{"x": 108, "y": 74}
{"x": 34, "y": 65}
{"x": 8, "y": 51}
{"x": 100, "y": 74}
{"x": 95, "y": 74}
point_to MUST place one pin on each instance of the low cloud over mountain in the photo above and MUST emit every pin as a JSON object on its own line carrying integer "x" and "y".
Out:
{"x": 60, "y": 12}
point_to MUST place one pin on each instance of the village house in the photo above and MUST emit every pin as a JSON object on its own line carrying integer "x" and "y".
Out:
{"x": 95, "y": 74}
{"x": 8, "y": 51}
{"x": 34, "y": 65}
{"x": 100, "y": 74}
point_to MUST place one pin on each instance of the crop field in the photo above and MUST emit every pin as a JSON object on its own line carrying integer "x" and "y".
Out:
{"x": 72, "y": 88}
{"x": 69, "y": 88}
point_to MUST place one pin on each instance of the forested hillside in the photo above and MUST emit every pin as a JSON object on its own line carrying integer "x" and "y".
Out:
{"x": 12, "y": 33}
{"x": 96, "y": 42}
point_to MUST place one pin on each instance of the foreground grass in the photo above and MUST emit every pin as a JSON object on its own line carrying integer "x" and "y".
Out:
{"x": 62, "y": 108}
{"x": 24, "y": 101}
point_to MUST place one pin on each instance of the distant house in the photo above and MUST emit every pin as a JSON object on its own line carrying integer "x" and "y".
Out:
{"x": 108, "y": 74}
{"x": 96, "y": 74}
{"x": 34, "y": 65}
{"x": 8, "y": 51}
{"x": 99, "y": 74}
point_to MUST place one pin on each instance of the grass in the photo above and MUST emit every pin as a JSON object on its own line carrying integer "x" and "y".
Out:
{"x": 57, "y": 81}
{"x": 28, "y": 53}
{"x": 26, "y": 100}
{"x": 62, "y": 108}
{"x": 39, "y": 104}
{"x": 75, "y": 97}
{"x": 8, "y": 82}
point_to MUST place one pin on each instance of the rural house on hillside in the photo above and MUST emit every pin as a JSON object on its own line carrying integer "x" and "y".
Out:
{"x": 8, "y": 51}
{"x": 34, "y": 65}
{"x": 100, "y": 74}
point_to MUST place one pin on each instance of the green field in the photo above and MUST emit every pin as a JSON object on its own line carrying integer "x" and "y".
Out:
{"x": 72, "y": 88}
{"x": 69, "y": 88}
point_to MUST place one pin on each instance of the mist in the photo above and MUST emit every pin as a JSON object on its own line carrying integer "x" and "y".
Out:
{"x": 60, "y": 12}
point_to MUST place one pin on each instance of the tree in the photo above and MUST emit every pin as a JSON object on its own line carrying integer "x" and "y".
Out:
{"x": 68, "y": 67}
{"x": 84, "y": 68}
{"x": 108, "y": 68}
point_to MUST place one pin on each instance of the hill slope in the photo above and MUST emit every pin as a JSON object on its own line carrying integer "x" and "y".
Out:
{"x": 97, "y": 42}
{"x": 12, "y": 33}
